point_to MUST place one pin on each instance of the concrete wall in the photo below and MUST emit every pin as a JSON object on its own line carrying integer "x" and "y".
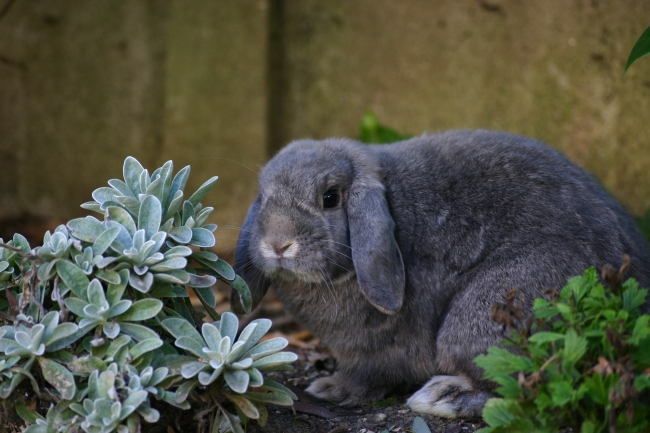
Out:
{"x": 221, "y": 85}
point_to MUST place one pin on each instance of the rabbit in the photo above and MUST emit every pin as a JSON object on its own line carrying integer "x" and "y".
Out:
{"x": 393, "y": 255}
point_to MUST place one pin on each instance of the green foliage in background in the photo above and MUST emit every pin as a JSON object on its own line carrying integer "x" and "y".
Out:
{"x": 373, "y": 132}
{"x": 97, "y": 323}
{"x": 584, "y": 363}
{"x": 640, "y": 49}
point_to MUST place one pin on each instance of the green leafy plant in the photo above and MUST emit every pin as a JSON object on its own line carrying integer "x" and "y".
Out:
{"x": 583, "y": 361}
{"x": 371, "y": 131}
{"x": 97, "y": 328}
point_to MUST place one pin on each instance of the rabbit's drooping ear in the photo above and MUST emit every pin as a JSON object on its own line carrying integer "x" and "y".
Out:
{"x": 376, "y": 256}
{"x": 244, "y": 267}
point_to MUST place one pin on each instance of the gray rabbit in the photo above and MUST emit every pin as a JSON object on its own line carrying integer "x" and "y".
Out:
{"x": 394, "y": 254}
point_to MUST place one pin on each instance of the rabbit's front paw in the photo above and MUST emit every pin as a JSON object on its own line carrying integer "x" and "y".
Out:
{"x": 338, "y": 389}
{"x": 449, "y": 397}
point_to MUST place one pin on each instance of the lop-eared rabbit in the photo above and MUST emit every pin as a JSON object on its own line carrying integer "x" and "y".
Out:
{"x": 394, "y": 254}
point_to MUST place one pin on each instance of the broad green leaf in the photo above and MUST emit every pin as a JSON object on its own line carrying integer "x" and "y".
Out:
{"x": 59, "y": 377}
{"x": 561, "y": 392}
{"x": 545, "y": 337}
{"x": 500, "y": 361}
{"x": 497, "y": 412}
{"x": 575, "y": 347}
{"x": 641, "y": 330}
{"x": 597, "y": 391}
{"x": 150, "y": 216}
{"x": 203, "y": 190}
{"x": 141, "y": 310}
{"x": 73, "y": 277}
{"x": 640, "y": 49}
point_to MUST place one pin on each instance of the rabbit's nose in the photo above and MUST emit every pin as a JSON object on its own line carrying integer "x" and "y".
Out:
{"x": 283, "y": 249}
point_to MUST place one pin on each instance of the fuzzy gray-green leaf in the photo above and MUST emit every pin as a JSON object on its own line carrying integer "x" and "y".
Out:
{"x": 202, "y": 238}
{"x": 86, "y": 229}
{"x": 137, "y": 332}
{"x": 131, "y": 171}
{"x": 245, "y": 297}
{"x": 59, "y": 377}
{"x": 105, "y": 240}
{"x": 221, "y": 267}
{"x": 73, "y": 277}
{"x": 141, "y": 310}
{"x": 237, "y": 380}
{"x": 182, "y": 328}
{"x": 150, "y": 216}
{"x": 181, "y": 234}
{"x": 203, "y": 190}
{"x": 122, "y": 216}
{"x": 145, "y": 346}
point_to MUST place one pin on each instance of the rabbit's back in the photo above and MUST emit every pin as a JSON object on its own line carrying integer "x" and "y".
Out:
{"x": 461, "y": 196}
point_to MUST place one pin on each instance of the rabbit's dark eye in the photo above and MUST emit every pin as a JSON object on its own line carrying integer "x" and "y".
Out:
{"x": 331, "y": 198}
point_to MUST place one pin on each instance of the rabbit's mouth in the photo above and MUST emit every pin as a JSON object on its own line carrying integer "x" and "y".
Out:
{"x": 292, "y": 275}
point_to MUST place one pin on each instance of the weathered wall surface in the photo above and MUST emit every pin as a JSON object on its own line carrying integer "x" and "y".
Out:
{"x": 222, "y": 85}
{"x": 548, "y": 69}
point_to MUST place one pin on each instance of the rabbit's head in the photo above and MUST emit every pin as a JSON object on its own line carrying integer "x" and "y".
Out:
{"x": 321, "y": 216}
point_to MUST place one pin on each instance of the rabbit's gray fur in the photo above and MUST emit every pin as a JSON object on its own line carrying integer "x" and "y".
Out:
{"x": 399, "y": 279}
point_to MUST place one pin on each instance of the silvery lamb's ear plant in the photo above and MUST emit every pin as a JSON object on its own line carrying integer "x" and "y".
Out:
{"x": 97, "y": 328}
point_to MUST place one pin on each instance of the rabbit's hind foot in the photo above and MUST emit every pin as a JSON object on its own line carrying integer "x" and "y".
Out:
{"x": 449, "y": 397}
{"x": 341, "y": 390}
